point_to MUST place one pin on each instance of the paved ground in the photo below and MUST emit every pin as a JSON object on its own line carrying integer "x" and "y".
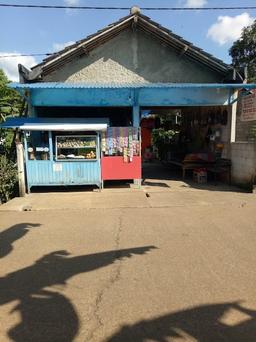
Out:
{"x": 175, "y": 265}
{"x": 167, "y": 190}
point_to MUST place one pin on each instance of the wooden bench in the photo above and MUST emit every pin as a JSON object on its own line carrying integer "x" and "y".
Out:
{"x": 217, "y": 167}
{"x": 190, "y": 165}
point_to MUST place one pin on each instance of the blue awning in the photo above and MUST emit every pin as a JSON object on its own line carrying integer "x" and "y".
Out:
{"x": 56, "y": 124}
{"x": 63, "y": 85}
{"x": 129, "y": 94}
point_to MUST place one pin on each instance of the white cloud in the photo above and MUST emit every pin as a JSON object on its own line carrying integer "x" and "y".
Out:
{"x": 71, "y": 3}
{"x": 61, "y": 46}
{"x": 10, "y": 64}
{"x": 228, "y": 29}
{"x": 195, "y": 3}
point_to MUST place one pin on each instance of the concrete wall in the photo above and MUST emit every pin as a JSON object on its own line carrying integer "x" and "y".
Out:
{"x": 243, "y": 156}
{"x": 243, "y": 151}
{"x": 133, "y": 57}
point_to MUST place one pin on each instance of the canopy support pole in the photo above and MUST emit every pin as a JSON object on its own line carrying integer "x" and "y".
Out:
{"x": 233, "y": 117}
{"x": 50, "y": 145}
{"x": 136, "y": 123}
{"x": 21, "y": 173}
{"x": 136, "y": 116}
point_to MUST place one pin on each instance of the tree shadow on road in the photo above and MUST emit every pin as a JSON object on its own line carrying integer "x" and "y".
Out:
{"x": 16, "y": 232}
{"x": 206, "y": 323}
{"x": 47, "y": 315}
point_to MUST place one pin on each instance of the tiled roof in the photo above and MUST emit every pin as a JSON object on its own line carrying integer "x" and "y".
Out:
{"x": 143, "y": 23}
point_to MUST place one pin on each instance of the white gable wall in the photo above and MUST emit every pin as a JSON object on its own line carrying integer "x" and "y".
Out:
{"x": 133, "y": 57}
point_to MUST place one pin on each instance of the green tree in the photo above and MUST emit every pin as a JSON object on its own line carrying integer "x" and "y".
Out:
{"x": 10, "y": 105}
{"x": 243, "y": 51}
{"x": 8, "y": 179}
{"x": 10, "y": 101}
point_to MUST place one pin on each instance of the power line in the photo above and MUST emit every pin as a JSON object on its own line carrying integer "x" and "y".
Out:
{"x": 127, "y": 8}
{"x": 27, "y": 55}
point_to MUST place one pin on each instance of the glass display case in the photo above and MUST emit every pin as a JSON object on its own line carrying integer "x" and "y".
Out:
{"x": 76, "y": 147}
{"x": 38, "y": 145}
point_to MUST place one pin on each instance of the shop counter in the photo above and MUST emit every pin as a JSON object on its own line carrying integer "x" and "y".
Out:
{"x": 47, "y": 172}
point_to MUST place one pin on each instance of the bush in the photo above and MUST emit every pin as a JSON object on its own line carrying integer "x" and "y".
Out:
{"x": 161, "y": 139}
{"x": 8, "y": 179}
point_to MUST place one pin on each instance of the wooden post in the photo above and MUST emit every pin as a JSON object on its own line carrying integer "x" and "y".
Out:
{"x": 21, "y": 173}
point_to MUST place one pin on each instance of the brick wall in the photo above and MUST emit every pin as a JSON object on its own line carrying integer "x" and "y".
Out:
{"x": 243, "y": 128}
{"x": 243, "y": 151}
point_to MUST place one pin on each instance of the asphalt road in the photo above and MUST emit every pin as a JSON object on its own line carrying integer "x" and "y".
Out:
{"x": 156, "y": 272}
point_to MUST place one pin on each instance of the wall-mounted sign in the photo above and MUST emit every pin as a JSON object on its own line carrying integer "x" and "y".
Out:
{"x": 249, "y": 107}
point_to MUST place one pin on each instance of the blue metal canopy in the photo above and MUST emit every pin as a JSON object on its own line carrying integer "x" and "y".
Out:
{"x": 56, "y": 124}
{"x": 140, "y": 94}
{"x": 60, "y": 85}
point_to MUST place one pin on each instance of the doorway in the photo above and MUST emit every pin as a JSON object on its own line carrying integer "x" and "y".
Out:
{"x": 179, "y": 141}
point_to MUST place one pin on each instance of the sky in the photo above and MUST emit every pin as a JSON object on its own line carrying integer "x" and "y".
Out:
{"x": 31, "y": 31}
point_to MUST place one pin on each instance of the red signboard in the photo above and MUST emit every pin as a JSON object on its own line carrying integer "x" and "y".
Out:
{"x": 114, "y": 168}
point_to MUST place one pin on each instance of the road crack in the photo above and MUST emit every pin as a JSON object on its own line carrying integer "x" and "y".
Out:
{"x": 114, "y": 277}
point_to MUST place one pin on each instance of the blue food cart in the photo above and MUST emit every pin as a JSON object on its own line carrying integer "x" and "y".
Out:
{"x": 59, "y": 151}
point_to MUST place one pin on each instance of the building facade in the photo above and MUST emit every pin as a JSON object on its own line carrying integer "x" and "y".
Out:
{"x": 113, "y": 75}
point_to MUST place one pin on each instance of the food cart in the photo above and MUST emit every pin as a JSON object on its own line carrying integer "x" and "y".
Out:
{"x": 60, "y": 151}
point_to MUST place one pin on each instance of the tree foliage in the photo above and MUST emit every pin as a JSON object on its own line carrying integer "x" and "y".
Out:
{"x": 161, "y": 139}
{"x": 8, "y": 179}
{"x": 10, "y": 101}
{"x": 243, "y": 51}
{"x": 10, "y": 105}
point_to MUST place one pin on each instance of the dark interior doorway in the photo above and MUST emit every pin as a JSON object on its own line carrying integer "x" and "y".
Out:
{"x": 172, "y": 136}
{"x": 118, "y": 116}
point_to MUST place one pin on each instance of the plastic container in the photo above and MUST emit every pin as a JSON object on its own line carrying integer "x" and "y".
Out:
{"x": 200, "y": 176}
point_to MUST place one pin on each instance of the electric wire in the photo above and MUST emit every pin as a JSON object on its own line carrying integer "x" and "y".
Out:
{"x": 127, "y": 8}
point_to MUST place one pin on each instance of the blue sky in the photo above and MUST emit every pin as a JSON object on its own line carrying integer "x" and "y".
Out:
{"x": 40, "y": 31}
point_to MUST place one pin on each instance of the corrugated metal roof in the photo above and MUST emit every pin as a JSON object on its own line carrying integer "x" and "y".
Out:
{"x": 60, "y": 85}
